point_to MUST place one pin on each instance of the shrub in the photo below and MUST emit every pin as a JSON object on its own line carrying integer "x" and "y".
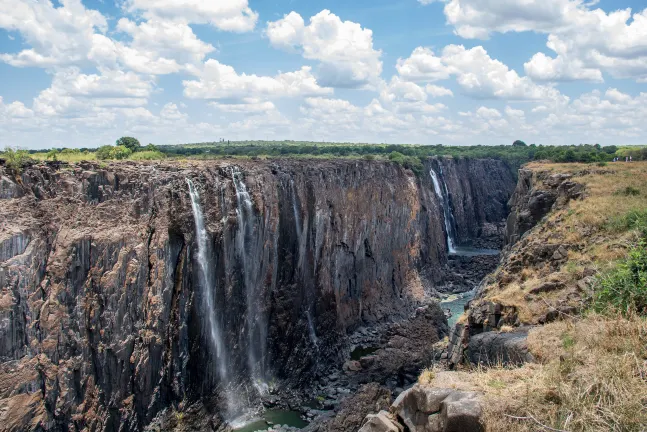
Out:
{"x": 15, "y": 159}
{"x": 624, "y": 288}
{"x": 104, "y": 152}
{"x": 110, "y": 152}
{"x": 147, "y": 155}
{"x": 52, "y": 154}
{"x": 120, "y": 152}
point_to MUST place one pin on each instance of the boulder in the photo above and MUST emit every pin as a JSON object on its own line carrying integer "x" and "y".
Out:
{"x": 431, "y": 409}
{"x": 494, "y": 348}
{"x": 381, "y": 422}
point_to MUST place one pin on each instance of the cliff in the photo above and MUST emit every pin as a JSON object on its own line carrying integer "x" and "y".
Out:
{"x": 122, "y": 293}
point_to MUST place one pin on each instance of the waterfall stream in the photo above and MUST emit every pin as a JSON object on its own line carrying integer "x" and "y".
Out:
{"x": 443, "y": 196}
{"x": 256, "y": 329}
{"x": 207, "y": 280}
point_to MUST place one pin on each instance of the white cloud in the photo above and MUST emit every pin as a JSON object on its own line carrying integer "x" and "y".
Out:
{"x": 476, "y": 72}
{"x": 438, "y": 91}
{"x": 73, "y": 92}
{"x": 617, "y": 96}
{"x": 160, "y": 46}
{"x": 57, "y": 35}
{"x": 515, "y": 113}
{"x": 343, "y": 48}
{"x": 228, "y": 15}
{"x": 422, "y": 65}
{"x": 586, "y": 41}
{"x": 488, "y": 113}
{"x": 219, "y": 81}
{"x": 248, "y": 106}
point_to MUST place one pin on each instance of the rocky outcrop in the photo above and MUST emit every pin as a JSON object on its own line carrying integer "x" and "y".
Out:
{"x": 430, "y": 409}
{"x": 99, "y": 278}
{"x": 534, "y": 197}
{"x": 538, "y": 193}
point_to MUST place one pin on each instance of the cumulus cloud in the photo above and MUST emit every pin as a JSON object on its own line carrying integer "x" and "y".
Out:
{"x": 219, "y": 81}
{"x": 228, "y": 15}
{"x": 438, "y": 91}
{"x": 586, "y": 41}
{"x": 57, "y": 35}
{"x": 476, "y": 72}
{"x": 343, "y": 49}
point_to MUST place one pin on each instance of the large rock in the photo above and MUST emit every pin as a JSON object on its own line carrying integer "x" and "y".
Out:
{"x": 430, "y": 409}
{"x": 381, "y": 422}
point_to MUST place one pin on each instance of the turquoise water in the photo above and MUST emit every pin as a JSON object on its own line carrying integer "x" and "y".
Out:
{"x": 274, "y": 417}
{"x": 457, "y": 306}
{"x": 470, "y": 251}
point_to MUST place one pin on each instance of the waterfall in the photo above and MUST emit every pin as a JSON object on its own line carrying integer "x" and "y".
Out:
{"x": 207, "y": 280}
{"x": 443, "y": 196}
{"x": 256, "y": 331}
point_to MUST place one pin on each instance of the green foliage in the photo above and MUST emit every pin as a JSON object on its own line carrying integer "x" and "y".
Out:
{"x": 104, "y": 152}
{"x": 148, "y": 155}
{"x": 410, "y": 162}
{"x": 628, "y": 191}
{"x": 634, "y": 220}
{"x": 120, "y": 152}
{"x": 110, "y": 152}
{"x": 624, "y": 288}
{"x": 15, "y": 159}
{"x": 129, "y": 142}
{"x": 519, "y": 143}
{"x": 52, "y": 154}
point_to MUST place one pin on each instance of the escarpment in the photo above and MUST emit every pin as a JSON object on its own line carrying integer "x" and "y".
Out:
{"x": 515, "y": 295}
{"x": 124, "y": 292}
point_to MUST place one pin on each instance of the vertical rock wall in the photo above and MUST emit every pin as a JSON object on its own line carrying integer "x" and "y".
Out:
{"x": 101, "y": 317}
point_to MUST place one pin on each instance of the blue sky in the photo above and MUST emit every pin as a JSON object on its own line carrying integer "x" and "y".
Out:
{"x": 83, "y": 73}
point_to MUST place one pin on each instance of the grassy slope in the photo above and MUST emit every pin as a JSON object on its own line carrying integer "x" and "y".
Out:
{"x": 592, "y": 369}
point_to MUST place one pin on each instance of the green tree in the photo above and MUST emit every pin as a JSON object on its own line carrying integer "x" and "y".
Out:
{"x": 120, "y": 152}
{"x": 519, "y": 143}
{"x": 104, "y": 152}
{"x": 129, "y": 142}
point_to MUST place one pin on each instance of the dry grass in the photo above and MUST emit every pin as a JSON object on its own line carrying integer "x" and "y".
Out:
{"x": 591, "y": 229}
{"x": 592, "y": 376}
{"x": 591, "y": 373}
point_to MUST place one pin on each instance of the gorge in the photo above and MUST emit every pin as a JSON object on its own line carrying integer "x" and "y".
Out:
{"x": 131, "y": 290}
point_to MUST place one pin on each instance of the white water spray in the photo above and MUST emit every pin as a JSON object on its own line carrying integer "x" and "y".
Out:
{"x": 256, "y": 331}
{"x": 444, "y": 203}
{"x": 207, "y": 279}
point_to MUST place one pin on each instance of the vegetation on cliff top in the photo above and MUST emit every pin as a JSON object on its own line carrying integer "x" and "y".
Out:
{"x": 409, "y": 156}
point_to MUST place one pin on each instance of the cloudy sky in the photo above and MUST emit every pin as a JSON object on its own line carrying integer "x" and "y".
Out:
{"x": 83, "y": 73}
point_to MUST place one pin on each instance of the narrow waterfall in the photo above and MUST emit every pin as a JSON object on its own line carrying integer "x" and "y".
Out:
{"x": 256, "y": 330}
{"x": 443, "y": 196}
{"x": 302, "y": 244}
{"x": 207, "y": 281}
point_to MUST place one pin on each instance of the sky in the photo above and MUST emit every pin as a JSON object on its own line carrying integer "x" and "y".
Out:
{"x": 459, "y": 72}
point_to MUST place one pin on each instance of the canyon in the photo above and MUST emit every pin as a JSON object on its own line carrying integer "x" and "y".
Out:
{"x": 131, "y": 290}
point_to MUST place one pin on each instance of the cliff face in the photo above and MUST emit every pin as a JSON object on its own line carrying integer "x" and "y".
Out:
{"x": 529, "y": 269}
{"x": 112, "y": 304}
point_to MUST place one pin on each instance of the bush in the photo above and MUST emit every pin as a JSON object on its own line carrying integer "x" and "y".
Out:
{"x": 120, "y": 152}
{"x": 110, "y": 152}
{"x": 624, "y": 288}
{"x": 15, "y": 159}
{"x": 147, "y": 155}
{"x": 104, "y": 152}
{"x": 628, "y": 191}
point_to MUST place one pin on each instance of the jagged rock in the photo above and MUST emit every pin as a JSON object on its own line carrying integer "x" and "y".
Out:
{"x": 104, "y": 282}
{"x": 352, "y": 366}
{"x": 430, "y": 409}
{"x": 381, "y": 422}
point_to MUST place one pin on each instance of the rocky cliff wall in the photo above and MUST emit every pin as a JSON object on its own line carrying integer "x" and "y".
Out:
{"x": 102, "y": 313}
